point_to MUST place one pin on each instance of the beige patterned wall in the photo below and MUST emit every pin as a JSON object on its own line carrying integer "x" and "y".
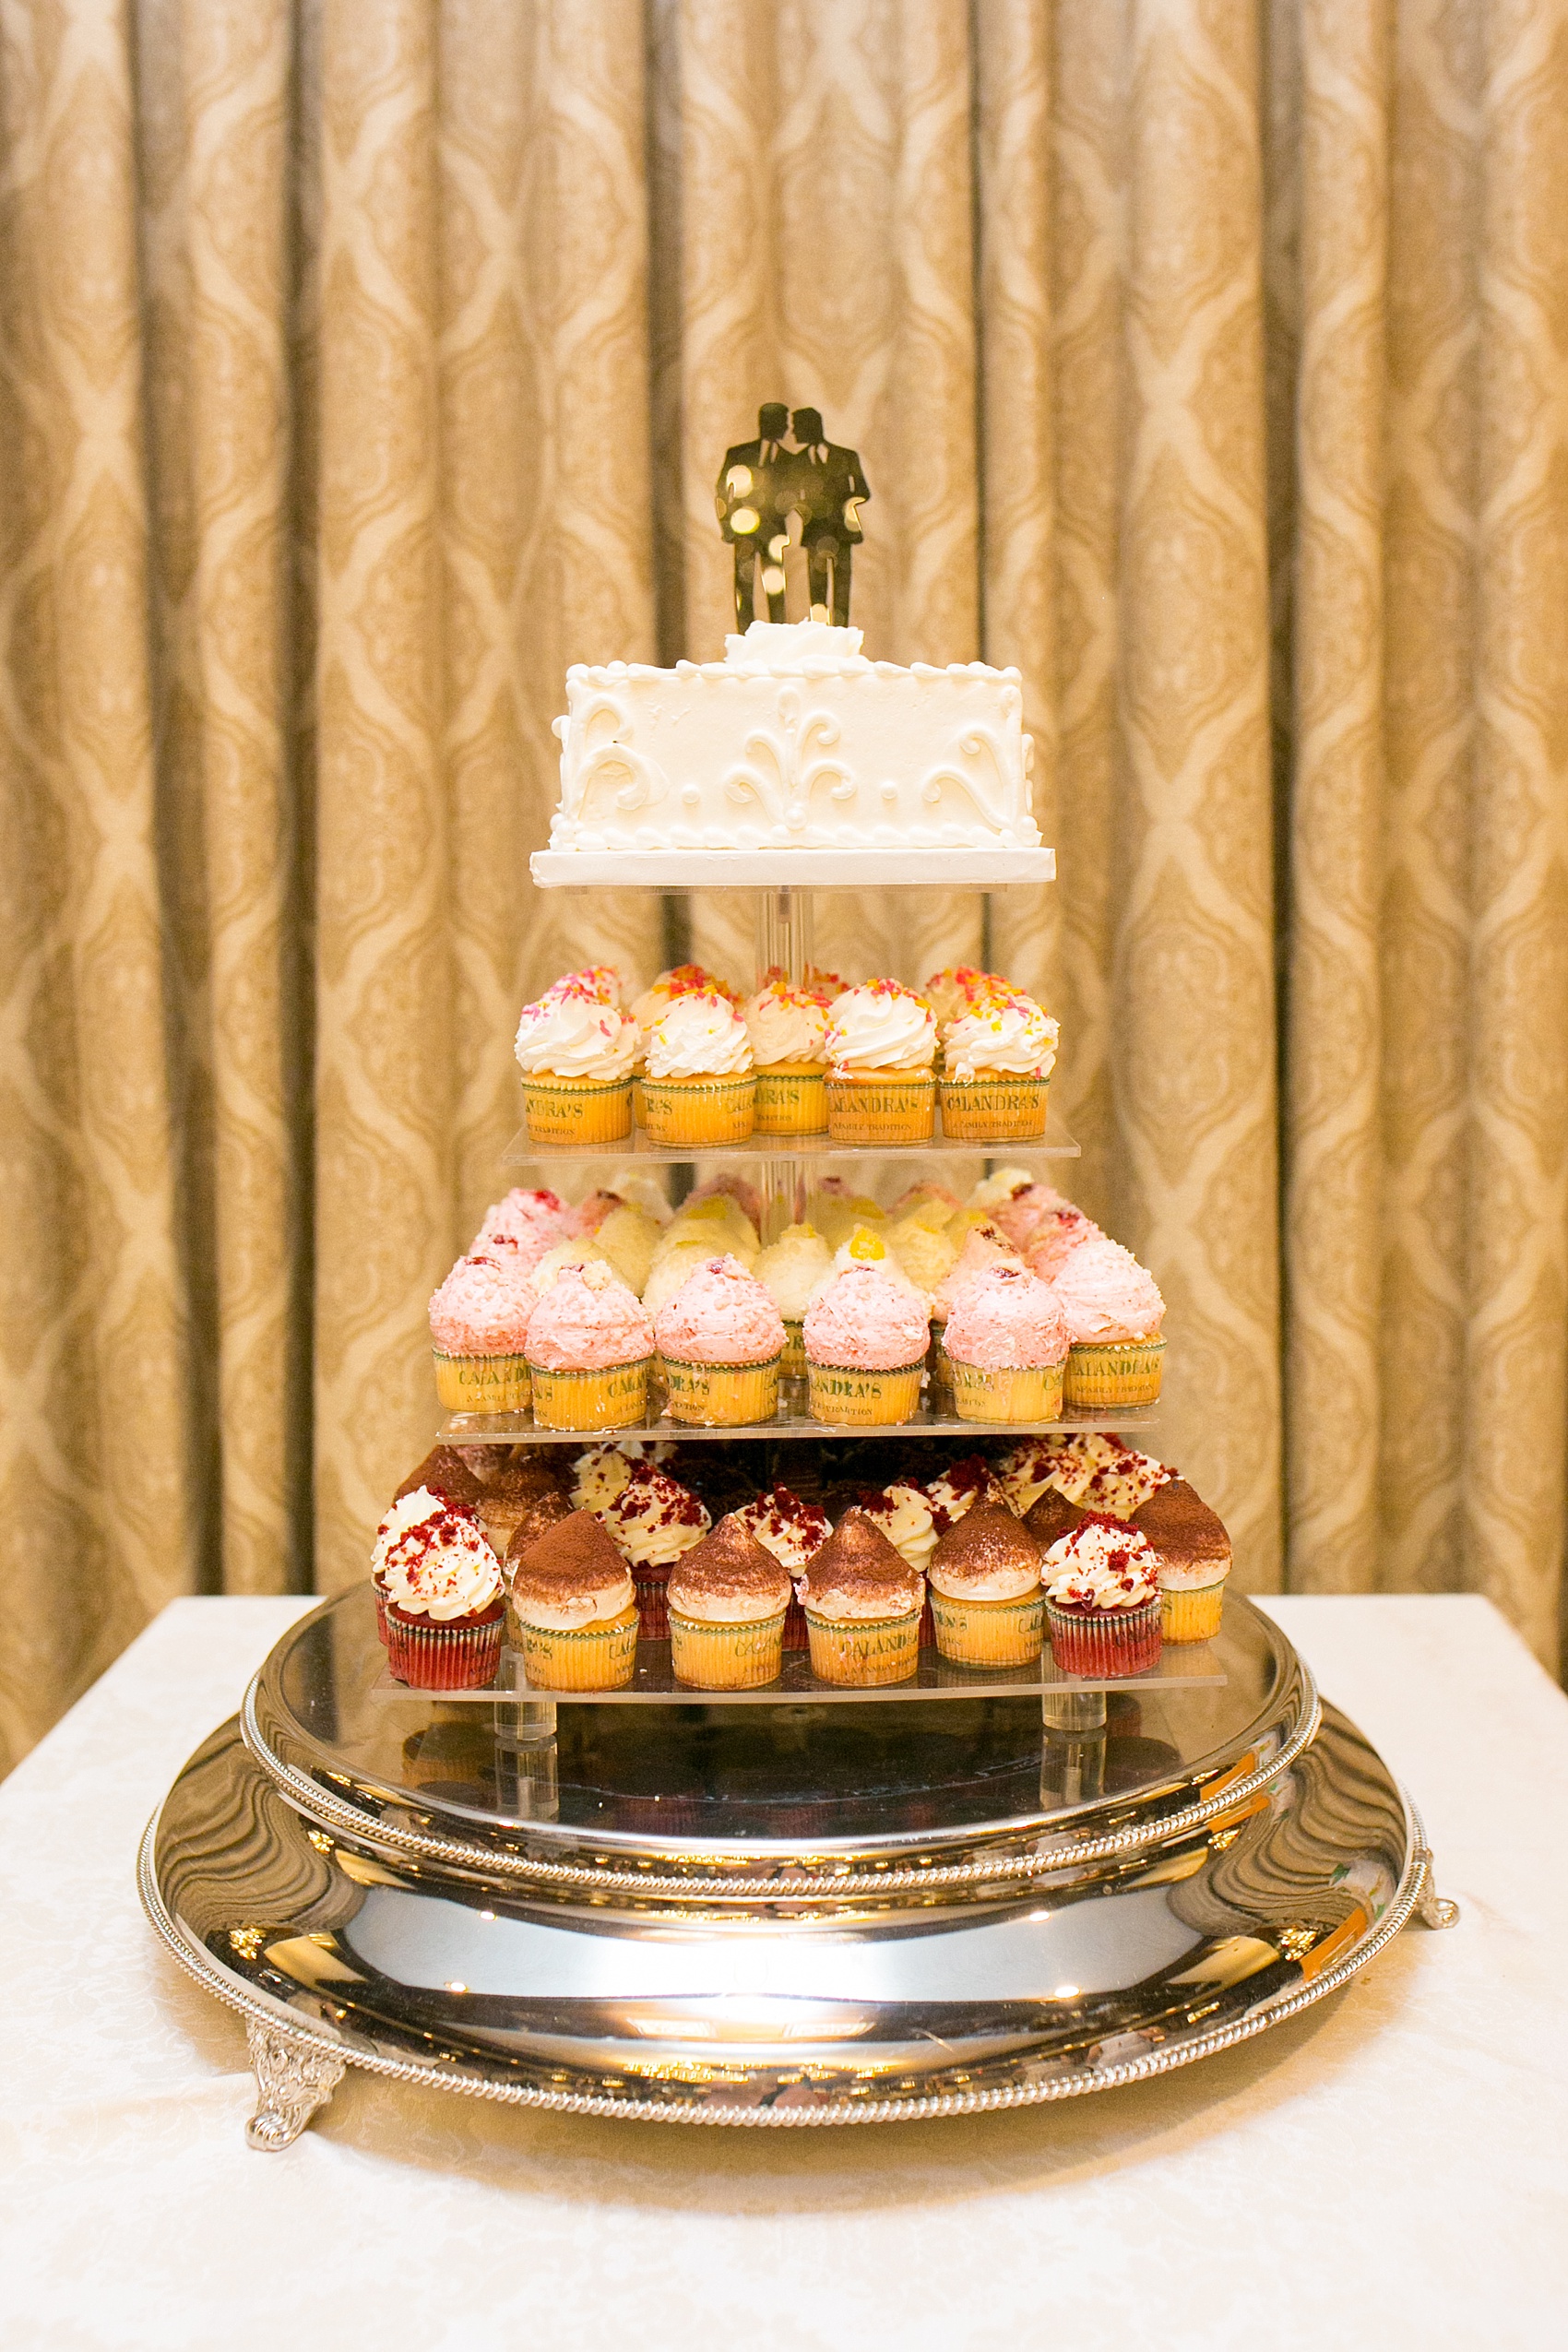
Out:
{"x": 364, "y": 362}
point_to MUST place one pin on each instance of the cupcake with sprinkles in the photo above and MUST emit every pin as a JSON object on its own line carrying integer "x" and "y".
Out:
{"x": 439, "y": 1595}
{"x": 1101, "y": 1583}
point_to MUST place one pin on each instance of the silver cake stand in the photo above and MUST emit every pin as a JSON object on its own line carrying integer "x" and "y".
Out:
{"x": 778, "y": 1914}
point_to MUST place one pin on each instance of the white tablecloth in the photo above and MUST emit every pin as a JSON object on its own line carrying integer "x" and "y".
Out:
{"x": 1390, "y": 2170}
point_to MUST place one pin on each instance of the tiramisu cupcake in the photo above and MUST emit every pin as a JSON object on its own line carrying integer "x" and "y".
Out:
{"x": 997, "y": 1056}
{"x": 1114, "y": 1310}
{"x": 576, "y": 1053}
{"x": 793, "y": 1530}
{"x": 862, "y": 1604}
{"x": 540, "y": 1512}
{"x": 440, "y": 1595}
{"x": 728, "y": 1599}
{"x": 652, "y": 1520}
{"x": 507, "y": 1500}
{"x": 720, "y": 1342}
{"x": 524, "y": 1222}
{"x": 1194, "y": 1560}
{"x": 786, "y": 1026}
{"x": 575, "y": 1609}
{"x": 790, "y": 1270}
{"x": 865, "y": 1335}
{"x": 1050, "y": 1515}
{"x": 699, "y": 1087}
{"x": 1006, "y": 1346}
{"x": 881, "y": 1044}
{"x": 444, "y": 1471}
{"x": 479, "y": 1322}
{"x": 1101, "y": 1586}
{"x": 589, "y": 1346}
{"x": 986, "y": 1601}
{"x": 960, "y": 1488}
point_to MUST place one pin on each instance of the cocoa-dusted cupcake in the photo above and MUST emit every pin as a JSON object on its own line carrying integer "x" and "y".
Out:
{"x": 500, "y": 1506}
{"x": 986, "y": 1599}
{"x": 443, "y": 1471}
{"x": 862, "y": 1604}
{"x": 792, "y": 1529}
{"x": 575, "y": 1609}
{"x": 1194, "y": 1560}
{"x": 1050, "y": 1515}
{"x": 544, "y": 1511}
{"x": 728, "y": 1595}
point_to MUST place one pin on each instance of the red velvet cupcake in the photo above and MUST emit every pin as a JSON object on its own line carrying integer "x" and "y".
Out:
{"x": 439, "y": 1594}
{"x": 1102, "y": 1585}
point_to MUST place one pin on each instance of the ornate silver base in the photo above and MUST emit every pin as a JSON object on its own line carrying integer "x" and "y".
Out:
{"x": 750, "y": 1917}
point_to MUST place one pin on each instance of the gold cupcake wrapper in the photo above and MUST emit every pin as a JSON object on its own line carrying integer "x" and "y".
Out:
{"x": 793, "y": 1366}
{"x": 791, "y": 1100}
{"x": 481, "y": 1384}
{"x": 721, "y": 1396}
{"x": 578, "y": 1110}
{"x": 700, "y": 1110}
{"x": 602, "y": 1657}
{"x": 1105, "y": 1374}
{"x": 1191, "y": 1613}
{"x": 882, "y": 1106}
{"x": 1009, "y": 1393}
{"x": 639, "y": 1102}
{"x": 726, "y": 1657}
{"x": 612, "y": 1397}
{"x": 865, "y": 1655}
{"x": 988, "y": 1633}
{"x": 993, "y": 1110}
{"x": 847, "y": 1398}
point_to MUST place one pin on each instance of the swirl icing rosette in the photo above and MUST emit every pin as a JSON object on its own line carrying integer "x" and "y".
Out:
{"x": 1005, "y": 1036}
{"x": 785, "y": 1025}
{"x": 1100, "y": 1564}
{"x": 573, "y": 1033}
{"x": 880, "y": 1027}
{"x": 699, "y": 1035}
{"x": 682, "y": 979}
{"x": 904, "y": 1516}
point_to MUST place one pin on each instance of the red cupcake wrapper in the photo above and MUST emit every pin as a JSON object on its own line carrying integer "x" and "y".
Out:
{"x": 379, "y": 1589}
{"x": 1105, "y": 1641}
{"x": 462, "y": 1656}
{"x": 652, "y": 1585}
{"x": 796, "y": 1635}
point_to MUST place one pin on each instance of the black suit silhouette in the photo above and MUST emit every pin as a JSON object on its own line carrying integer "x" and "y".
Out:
{"x": 829, "y": 489}
{"x": 753, "y": 496}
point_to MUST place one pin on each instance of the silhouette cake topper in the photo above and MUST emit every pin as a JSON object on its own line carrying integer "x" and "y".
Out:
{"x": 763, "y": 484}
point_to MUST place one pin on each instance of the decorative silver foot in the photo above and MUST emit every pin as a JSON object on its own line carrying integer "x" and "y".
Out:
{"x": 294, "y": 2079}
{"x": 1433, "y": 1909}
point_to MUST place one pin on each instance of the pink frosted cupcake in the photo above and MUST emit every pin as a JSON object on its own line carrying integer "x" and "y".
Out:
{"x": 479, "y": 1322}
{"x": 1112, "y": 1309}
{"x": 720, "y": 1341}
{"x": 1006, "y": 1347}
{"x": 589, "y": 1346}
{"x": 1102, "y": 1585}
{"x": 1057, "y": 1232}
{"x": 1020, "y": 1215}
{"x": 439, "y": 1595}
{"x": 983, "y": 1244}
{"x": 865, "y": 1335}
{"x": 521, "y": 1227}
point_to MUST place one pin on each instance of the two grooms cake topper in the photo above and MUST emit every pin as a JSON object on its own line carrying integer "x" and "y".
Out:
{"x": 790, "y": 468}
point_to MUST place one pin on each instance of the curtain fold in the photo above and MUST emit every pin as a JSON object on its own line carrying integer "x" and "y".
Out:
{"x": 364, "y": 363}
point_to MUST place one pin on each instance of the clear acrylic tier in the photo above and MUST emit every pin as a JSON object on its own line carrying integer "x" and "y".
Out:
{"x": 512, "y": 1429}
{"x": 1056, "y": 1144}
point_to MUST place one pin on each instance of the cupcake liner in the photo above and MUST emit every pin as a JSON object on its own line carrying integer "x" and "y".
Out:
{"x": 846, "y": 1399}
{"x": 791, "y": 1100}
{"x": 614, "y": 1398}
{"x": 994, "y": 1109}
{"x": 700, "y": 1110}
{"x": 793, "y": 1364}
{"x": 882, "y": 1106}
{"x": 1105, "y": 1641}
{"x": 988, "y": 1633}
{"x": 653, "y": 1606}
{"x": 462, "y": 1656}
{"x": 639, "y": 1102}
{"x": 1105, "y": 1374}
{"x": 939, "y": 1371}
{"x": 796, "y": 1637}
{"x": 481, "y": 1384}
{"x": 726, "y": 1657}
{"x": 867, "y": 1654}
{"x": 1192, "y": 1613}
{"x": 721, "y": 1396}
{"x": 1011, "y": 1393}
{"x": 578, "y": 1110}
{"x": 601, "y": 1656}
{"x": 379, "y": 1589}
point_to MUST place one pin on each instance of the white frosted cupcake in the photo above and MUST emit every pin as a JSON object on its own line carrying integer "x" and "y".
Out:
{"x": 699, "y": 1087}
{"x": 576, "y": 1053}
{"x": 881, "y": 1044}
{"x": 786, "y": 1026}
{"x": 998, "y": 1054}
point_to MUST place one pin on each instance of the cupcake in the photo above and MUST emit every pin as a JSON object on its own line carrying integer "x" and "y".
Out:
{"x": 728, "y": 1185}
{"x": 979, "y": 1243}
{"x": 1006, "y": 1345}
{"x": 599, "y": 980}
{"x": 728, "y": 1597}
{"x": 479, "y": 1322}
{"x": 880, "y": 1045}
{"x": 986, "y": 1600}
{"x": 1102, "y": 1585}
{"x": 527, "y": 1223}
{"x": 718, "y": 1221}
{"x": 1114, "y": 1310}
{"x": 786, "y": 1026}
{"x": 1019, "y": 1212}
{"x": 1096, "y": 1471}
{"x": 865, "y": 1335}
{"x": 576, "y": 1053}
{"x": 502, "y": 1504}
{"x": 699, "y": 1087}
{"x": 960, "y": 1487}
{"x": 627, "y": 1239}
{"x": 1195, "y": 1559}
{"x": 539, "y": 1513}
{"x": 862, "y": 1605}
{"x": 902, "y": 1513}
{"x": 792, "y": 1531}
{"x": 997, "y": 1055}
{"x": 1026, "y": 1471}
{"x": 926, "y": 1193}
{"x": 790, "y": 1270}
{"x": 838, "y": 1215}
{"x": 682, "y": 979}
{"x": 923, "y": 1246}
{"x": 652, "y": 1520}
{"x": 444, "y": 1471}
{"x": 589, "y": 1346}
{"x": 599, "y": 1472}
{"x": 1054, "y": 1234}
{"x": 949, "y": 991}
{"x": 1050, "y": 1515}
{"x": 720, "y": 1341}
{"x": 439, "y": 1586}
{"x": 575, "y": 1609}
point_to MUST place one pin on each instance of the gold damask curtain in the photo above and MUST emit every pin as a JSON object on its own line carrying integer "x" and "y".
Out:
{"x": 364, "y": 362}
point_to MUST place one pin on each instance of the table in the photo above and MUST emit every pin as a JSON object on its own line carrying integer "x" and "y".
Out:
{"x": 1390, "y": 2168}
